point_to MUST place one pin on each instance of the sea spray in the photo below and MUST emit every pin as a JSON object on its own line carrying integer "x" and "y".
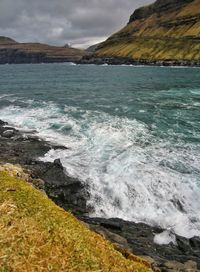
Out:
{"x": 131, "y": 173}
{"x": 132, "y": 135}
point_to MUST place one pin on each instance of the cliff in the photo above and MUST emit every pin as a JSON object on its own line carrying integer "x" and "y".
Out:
{"x": 163, "y": 31}
{"x": 14, "y": 52}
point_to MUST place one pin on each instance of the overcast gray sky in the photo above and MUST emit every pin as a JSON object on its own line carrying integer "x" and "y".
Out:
{"x": 78, "y": 22}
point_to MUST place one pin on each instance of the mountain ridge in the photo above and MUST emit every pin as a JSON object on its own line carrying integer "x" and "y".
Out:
{"x": 158, "y": 6}
{"x": 163, "y": 31}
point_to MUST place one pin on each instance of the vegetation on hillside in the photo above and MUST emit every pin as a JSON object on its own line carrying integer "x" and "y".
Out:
{"x": 37, "y": 235}
{"x": 172, "y": 34}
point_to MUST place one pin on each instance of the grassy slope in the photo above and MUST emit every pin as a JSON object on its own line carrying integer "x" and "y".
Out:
{"x": 36, "y": 235}
{"x": 168, "y": 35}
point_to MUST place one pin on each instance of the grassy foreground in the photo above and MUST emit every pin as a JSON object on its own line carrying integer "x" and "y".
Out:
{"x": 37, "y": 235}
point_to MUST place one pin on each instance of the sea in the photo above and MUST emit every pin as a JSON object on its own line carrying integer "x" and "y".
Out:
{"x": 132, "y": 132}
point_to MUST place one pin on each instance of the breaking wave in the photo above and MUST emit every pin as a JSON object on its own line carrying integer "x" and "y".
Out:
{"x": 132, "y": 173}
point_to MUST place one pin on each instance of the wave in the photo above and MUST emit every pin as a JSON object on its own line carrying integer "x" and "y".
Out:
{"x": 131, "y": 173}
{"x": 196, "y": 91}
{"x": 5, "y": 96}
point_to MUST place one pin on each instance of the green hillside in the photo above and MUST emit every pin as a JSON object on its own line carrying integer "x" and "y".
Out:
{"x": 165, "y": 30}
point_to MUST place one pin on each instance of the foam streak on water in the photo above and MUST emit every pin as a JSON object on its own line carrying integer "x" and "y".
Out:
{"x": 132, "y": 174}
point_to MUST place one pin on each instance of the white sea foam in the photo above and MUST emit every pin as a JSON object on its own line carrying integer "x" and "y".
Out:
{"x": 197, "y": 91}
{"x": 71, "y": 63}
{"x": 132, "y": 174}
{"x": 165, "y": 238}
{"x": 5, "y": 95}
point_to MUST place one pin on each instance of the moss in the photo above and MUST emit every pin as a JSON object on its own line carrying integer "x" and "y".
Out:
{"x": 36, "y": 235}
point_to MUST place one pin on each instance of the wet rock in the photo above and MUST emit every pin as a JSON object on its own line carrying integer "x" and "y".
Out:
{"x": 195, "y": 244}
{"x": 111, "y": 225}
{"x": 2, "y": 123}
{"x": 8, "y": 133}
{"x": 58, "y": 163}
{"x": 140, "y": 238}
{"x": 62, "y": 147}
{"x": 25, "y": 150}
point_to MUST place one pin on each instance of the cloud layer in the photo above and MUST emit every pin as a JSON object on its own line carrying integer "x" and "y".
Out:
{"x": 78, "y": 22}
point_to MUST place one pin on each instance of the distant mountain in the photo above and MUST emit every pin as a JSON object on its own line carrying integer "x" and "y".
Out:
{"x": 93, "y": 48}
{"x": 163, "y": 31}
{"x": 6, "y": 40}
{"x": 14, "y": 52}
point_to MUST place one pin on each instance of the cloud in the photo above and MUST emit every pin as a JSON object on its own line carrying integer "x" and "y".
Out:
{"x": 78, "y": 22}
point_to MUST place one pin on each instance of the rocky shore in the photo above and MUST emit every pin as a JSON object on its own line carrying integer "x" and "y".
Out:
{"x": 93, "y": 59}
{"x": 24, "y": 149}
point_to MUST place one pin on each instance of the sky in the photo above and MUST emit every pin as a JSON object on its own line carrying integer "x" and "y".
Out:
{"x": 79, "y": 23}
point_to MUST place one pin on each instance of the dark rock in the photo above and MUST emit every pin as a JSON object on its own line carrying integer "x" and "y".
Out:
{"x": 62, "y": 147}
{"x": 2, "y": 123}
{"x": 93, "y": 59}
{"x": 58, "y": 163}
{"x": 195, "y": 244}
{"x": 67, "y": 192}
{"x": 111, "y": 225}
{"x": 8, "y": 133}
{"x": 140, "y": 238}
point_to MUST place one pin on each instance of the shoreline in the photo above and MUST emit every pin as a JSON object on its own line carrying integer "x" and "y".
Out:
{"x": 93, "y": 59}
{"x": 22, "y": 148}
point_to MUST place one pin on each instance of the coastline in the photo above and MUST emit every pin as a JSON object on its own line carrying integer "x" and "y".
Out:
{"x": 18, "y": 147}
{"x": 93, "y": 59}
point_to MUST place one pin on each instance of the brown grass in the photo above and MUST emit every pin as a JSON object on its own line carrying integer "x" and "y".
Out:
{"x": 170, "y": 35}
{"x": 36, "y": 235}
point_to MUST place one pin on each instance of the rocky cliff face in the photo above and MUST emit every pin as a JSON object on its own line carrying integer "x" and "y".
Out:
{"x": 13, "y": 52}
{"x": 166, "y": 30}
{"x": 157, "y": 7}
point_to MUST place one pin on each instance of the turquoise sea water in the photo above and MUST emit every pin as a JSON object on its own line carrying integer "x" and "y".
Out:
{"x": 133, "y": 134}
